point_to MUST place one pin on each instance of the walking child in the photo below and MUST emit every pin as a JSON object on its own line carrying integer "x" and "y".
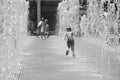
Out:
{"x": 46, "y": 28}
{"x": 70, "y": 41}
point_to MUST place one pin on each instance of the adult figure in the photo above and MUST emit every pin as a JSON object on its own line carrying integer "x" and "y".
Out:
{"x": 41, "y": 26}
{"x": 38, "y": 28}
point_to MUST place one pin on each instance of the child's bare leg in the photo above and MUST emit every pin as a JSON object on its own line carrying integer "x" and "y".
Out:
{"x": 41, "y": 34}
{"x": 73, "y": 51}
{"x": 67, "y": 51}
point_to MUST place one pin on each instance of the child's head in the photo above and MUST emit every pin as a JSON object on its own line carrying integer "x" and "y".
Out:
{"x": 68, "y": 29}
{"x": 42, "y": 18}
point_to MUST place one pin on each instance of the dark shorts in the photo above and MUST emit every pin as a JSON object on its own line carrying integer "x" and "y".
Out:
{"x": 42, "y": 33}
{"x": 70, "y": 43}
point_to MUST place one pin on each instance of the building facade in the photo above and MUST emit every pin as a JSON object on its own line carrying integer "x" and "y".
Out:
{"x": 46, "y": 9}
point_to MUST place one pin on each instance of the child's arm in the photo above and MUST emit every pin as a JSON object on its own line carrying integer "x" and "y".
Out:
{"x": 65, "y": 37}
{"x": 39, "y": 24}
{"x": 74, "y": 34}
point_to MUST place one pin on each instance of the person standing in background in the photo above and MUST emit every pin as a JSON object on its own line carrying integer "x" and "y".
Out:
{"x": 41, "y": 27}
{"x": 46, "y": 28}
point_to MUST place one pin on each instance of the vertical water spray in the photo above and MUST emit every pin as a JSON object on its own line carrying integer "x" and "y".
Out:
{"x": 102, "y": 20}
{"x": 68, "y": 12}
{"x": 13, "y": 23}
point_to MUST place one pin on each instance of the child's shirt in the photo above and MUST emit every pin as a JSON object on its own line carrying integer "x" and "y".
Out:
{"x": 69, "y": 36}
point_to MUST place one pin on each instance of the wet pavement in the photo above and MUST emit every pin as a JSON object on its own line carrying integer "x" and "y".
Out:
{"x": 46, "y": 60}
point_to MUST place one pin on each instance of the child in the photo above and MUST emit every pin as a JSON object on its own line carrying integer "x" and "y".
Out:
{"x": 70, "y": 41}
{"x": 46, "y": 28}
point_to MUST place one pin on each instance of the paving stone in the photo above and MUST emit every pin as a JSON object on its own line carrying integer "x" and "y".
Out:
{"x": 47, "y": 61}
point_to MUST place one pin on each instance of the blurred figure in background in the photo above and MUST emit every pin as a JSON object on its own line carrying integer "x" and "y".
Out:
{"x": 41, "y": 26}
{"x": 31, "y": 27}
{"x": 46, "y": 28}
